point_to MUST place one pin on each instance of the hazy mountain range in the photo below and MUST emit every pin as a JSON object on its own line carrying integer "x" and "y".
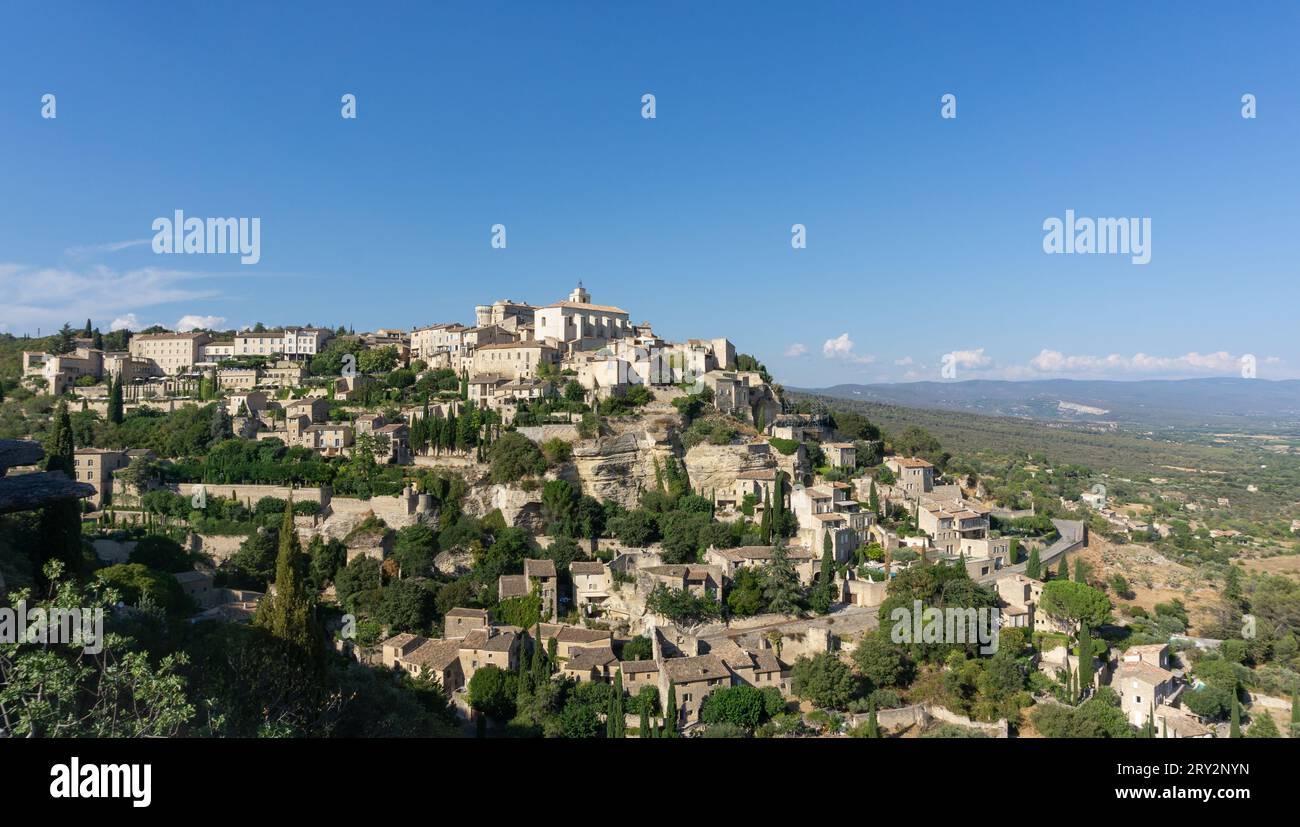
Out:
{"x": 1218, "y": 403}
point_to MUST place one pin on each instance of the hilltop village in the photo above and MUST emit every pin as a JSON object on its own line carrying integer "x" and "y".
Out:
{"x": 552, "y": 521}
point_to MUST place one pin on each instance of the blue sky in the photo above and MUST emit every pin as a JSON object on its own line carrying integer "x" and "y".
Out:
{"x": 924, "y": 235}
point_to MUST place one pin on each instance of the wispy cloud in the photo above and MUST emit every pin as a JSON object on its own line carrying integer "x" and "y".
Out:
{"x": 796, "y": 349}
{"x": 46, "y": 297}
{"x": 96, "y": 249}
{"x": 1189, "y": 364}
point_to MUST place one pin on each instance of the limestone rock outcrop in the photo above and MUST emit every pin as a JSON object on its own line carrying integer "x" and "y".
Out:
{"x": 715, "y": 467}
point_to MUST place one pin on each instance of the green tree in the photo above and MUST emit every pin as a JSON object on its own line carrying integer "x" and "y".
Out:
{"x": 781, "y": 590}
{"x": 61, "y": 519}
{"x": 289, "y": 613}
{"x": 1085, "y": 659}
{"x": 670, "y": 713}
{"x": 824, "y": 680}
{"x": 823, "y": 595}
{"x": 514, "y": 457}
{"x": 491, "y": 692}
{"x": 873, "y": 725}
{"x": 1235, "y": 726}
{"x": 1075, "y": 602}
{"x": 1263, "y": 726}
{"x": 1034, "y": 567}
{"x": 879, "y": 660}
{"x": 414, "y": 548}
{"x": 58, "y": 690}
{"x": 1295, "y": 710}
{"x": 616, "y": 724}
{"x": 115, "y": 401}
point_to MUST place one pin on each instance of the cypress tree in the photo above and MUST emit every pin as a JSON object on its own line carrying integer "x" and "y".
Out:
{"x": 552, "y": 648}
{"x": 873, "y": 501}
{"x": 1149, "y": 730}
{"x": 1080, "y": 575}
{"x": 1235, "y": 730}
{"x": 616, "y": 725}
{"x": 645, "y": 722}
{"x": 1085, "y": 659}
{"x": 290, "y": 613}
{"x": 873, "y": 725}
{"x": 115, "y": 401}
{"x": 540, "y": 669}
{"x": 1295, "y": 710}
{"x": 1063, "y": 573}
{"x": 1034, "y": 567}
{"x": 670, "y": 712}
{"x": 60, "y": 522}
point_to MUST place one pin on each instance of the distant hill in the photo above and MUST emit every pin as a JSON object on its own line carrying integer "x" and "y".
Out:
{"x": 1214, "y": 404}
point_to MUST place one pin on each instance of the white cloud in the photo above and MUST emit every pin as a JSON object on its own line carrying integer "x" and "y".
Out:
{"x": 841, "y": 347}
{"x": 971, "y": 358}
{"x": 46, "y": 297}
{"x": 128, "y": 322}
{"x": 192, "y": 322}
{"x": 904, "y": 362}
{"x": 796, "y": 349}
{"x": 1053, "y": 361}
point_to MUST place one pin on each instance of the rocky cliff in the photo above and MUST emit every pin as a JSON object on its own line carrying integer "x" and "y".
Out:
{"x": 714, "y": 467}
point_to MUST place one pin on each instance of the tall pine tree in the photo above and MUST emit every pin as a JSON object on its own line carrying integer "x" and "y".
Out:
{"x": 1085, "y": 660}
{"x": 1235, "y": 727}
{"x": 290, "y": 612}
{"x": 115, "y": 401}
{"x": 61, "y": 519}
{"x": 670, "y": 712}
{"x": 1034, "y": 567}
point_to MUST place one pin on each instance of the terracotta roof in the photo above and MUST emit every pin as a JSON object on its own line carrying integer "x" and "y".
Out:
{"x": 480, "y": 639}
{"x": 1144, "y": 672}
{"x": 539, "y": 568}
{"x": 912, "y": 462}
{"x": 760, "y": 474}
{"x": 480, "y": 614}
{"x": 603, "y": 308}
{"x": 638, "y": 666}
{"x": 509, "y": 345}
{"x": 434, "y": 654}
{"x": 512, "y": 585}
{"x": 577, "y": 634}
{"x": 591, "y": 658}
{"x": 585, "y": 567}
{"x": 399, "y": 640}
{"x": 700, "y": 668}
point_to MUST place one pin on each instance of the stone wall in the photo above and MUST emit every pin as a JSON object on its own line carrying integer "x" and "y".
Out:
{"x": 924, "y": 715}
{"x": 541, "y": 433}
{"x": 250, "y": 494}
